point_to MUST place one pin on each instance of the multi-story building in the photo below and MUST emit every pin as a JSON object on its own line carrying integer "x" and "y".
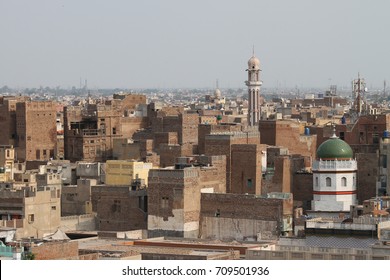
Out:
{"x": 221, "y": 143}
{"x": 174, "y": 195}
{"x": 34, "y": 213}
{"x": 7, "y": 157}
{"x": 36, "y": 130}
{"x": 89, "y": 130}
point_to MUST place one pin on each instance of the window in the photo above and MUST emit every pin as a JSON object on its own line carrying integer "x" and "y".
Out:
{"x": 164, "y": 202}
{"x": 114, "y": 130}
{"x": 375, "y": 138}
{"x": 53, "y": 208}
{"x": 31, "y": 218}
{"x": 343, "y": 182}
{"x": 328, "y": 182}
{"x": 342, "y": 135}
{"x": 316, "y": 183}
{"x": 249, "y": 183}
{"x": 38, "y": 154}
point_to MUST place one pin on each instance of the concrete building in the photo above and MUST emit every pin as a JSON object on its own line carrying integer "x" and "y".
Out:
{"x": 91, "y": 170}
{"x": 122, "y": 172}
{"x": 7, "y": 157}
{"x": 77, "y": 199}
{"x": 34, "y": 213}
{"x": 334, "y": 177}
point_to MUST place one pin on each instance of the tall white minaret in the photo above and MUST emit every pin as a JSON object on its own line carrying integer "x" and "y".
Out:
{"x": 254, "y": 83}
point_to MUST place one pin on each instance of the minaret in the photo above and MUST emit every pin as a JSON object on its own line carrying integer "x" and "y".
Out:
{"x": 254, "y": 85}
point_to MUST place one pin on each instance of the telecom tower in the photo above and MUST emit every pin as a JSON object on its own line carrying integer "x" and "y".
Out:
{"x": 358, "y": 89}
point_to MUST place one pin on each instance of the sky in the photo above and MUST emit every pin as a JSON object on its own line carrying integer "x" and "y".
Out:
{"x": 189, "y": 44}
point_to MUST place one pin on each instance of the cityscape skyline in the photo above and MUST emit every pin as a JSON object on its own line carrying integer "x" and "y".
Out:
{"x": 190, "y": 45}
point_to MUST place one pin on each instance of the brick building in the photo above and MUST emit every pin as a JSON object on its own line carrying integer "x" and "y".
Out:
{"x": 36, "y": 130}
{"x": 8, "y": 119}
{"x": 30, "y": 126}
{"x": 119, "y": 208}
{"x": 222, "y": 144}
{"x": 174, "y": 195}
{"x": 246, "y": 173}
{"x": 245, "y": 217}
{"x": 288, "y": 134}
{"x": 89, "y": 130}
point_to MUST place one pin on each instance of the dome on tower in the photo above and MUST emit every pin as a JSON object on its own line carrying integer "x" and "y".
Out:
{"x": 217, "y": 93}
{"x": 254, "y": 63}
{"x": 334, "y": 148}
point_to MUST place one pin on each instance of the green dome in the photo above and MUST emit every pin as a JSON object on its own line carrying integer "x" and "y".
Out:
{"x": 334, "y": 148}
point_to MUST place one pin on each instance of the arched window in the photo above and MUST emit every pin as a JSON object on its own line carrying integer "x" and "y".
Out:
{"x": 328, "y": 182}
{"x": 343, "y": 182}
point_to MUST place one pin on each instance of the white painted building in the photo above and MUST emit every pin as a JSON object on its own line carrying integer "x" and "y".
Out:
{"x": 334, "y": 177}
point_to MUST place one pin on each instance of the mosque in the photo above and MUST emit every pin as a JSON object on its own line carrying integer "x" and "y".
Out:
{"x": 334, "y": 177}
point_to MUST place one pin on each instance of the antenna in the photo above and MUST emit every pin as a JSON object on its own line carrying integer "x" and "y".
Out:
{"x": 217, "y": 84}
{"x": 253, "y": 50}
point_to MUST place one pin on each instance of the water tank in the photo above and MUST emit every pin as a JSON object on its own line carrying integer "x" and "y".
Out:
{"x": 343, "y": 120}
{"x": 307, "y": 131}
{"x": 386, "y": 134}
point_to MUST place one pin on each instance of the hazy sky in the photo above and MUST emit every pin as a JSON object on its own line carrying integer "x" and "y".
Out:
{"x": 179, "y": 43}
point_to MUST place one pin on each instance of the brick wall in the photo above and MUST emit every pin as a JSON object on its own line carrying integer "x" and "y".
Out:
{"x": 119, "y": 208}
{"x": 246, "y": 168}
{"x": 367, "y": 165}
{"x": 60, "y": 250}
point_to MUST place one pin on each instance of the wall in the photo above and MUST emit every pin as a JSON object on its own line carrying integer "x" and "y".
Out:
{"x": 87, "y": 222}
{"x": 36, "y": 130}
{"x": 60, "y": 250}
{"x": 246, "y": 168}
{"x": 119, "y": 208}
{"x": 367, "y": 166}
{"x": 240, "y": 217}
